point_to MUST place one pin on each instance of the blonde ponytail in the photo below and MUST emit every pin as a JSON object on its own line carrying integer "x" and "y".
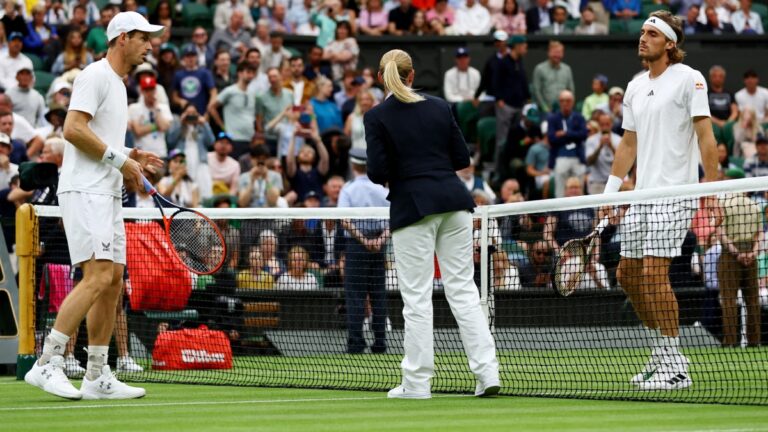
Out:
{"x": 395, "y": 66}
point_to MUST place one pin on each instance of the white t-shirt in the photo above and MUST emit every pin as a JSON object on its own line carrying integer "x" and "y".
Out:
{"x": 757, "y": 101}
{"x": 154, "y": 141}
{"x": 7, "y": 175}
{"x": 661, "y": 112}
{"x": 9, "y": 66}
{"x": 22, "y": 130}
{"x": 99, "y": 91}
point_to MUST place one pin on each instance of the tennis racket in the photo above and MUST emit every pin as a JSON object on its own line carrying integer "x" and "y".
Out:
{"x": 572, "y": 260}
{"x": 195, "y": 239}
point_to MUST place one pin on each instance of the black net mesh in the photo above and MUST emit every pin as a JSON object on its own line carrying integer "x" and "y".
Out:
{"x": 298, "y": 304}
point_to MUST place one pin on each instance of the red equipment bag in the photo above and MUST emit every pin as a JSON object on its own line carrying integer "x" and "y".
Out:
{"x": 158, "y": 280}
{"x": 198, "y": 348}
{"x": 57, "y": 281}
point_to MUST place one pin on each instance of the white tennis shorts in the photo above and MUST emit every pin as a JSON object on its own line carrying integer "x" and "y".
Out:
{"x": 94, "y": 226}
{"x": 656, "y": 229}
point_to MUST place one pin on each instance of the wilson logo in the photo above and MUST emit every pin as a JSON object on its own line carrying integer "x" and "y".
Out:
{"x": 201, "y": 356}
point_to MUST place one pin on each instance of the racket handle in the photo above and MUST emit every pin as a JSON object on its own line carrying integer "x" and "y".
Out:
{"x": 147, "y": 185}
{"x": 601, "y": 226}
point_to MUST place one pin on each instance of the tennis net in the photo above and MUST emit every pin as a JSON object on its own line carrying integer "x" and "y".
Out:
{"x": 280, "y": 311}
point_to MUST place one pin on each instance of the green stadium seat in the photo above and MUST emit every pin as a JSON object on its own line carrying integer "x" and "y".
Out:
{"x": 572, "y": 23}
{"x": 294, "y": 52}
{"x": 467, "y": 114}
{"x": 761, "y": 10}
{"x": 727, "y": 135}
{"x": 195, "y": 14}
{"x": 43, "y": 81}
{"x": 648, "y": 8}
{"x": 486, "y": 135}
{"x": 617, "y": 26}
{"x": 37, "y": 62}
{"x": 718, "y": 132}
{"x": 737, "y": 160}
{"x": 634, "y": 26}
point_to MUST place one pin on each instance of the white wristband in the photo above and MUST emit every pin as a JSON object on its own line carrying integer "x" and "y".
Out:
{"x": 613, "y": 184}
{"x": 115, "y": 158}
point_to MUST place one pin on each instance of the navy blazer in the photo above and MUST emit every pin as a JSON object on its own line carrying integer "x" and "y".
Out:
{"x": 416, "y": 148}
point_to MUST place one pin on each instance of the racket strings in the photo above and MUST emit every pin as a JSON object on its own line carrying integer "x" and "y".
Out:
{"x": 197, "y": 241}
{"x": 570, "y": 266}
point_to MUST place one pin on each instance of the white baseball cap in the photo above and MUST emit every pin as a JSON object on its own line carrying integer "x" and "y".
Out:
{"x": 125, "y": 22}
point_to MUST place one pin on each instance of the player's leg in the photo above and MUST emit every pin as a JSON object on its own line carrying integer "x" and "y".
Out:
{"x": 414, "y": 248}
{"x": 454, "y": 247}
{"x": 630, "y": 277}
{"x": 662, "y": 303}
{"x": 727, "y": 274}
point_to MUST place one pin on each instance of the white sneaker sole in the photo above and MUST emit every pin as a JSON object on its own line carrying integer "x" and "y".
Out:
{"x": 489, "y": 391}
{"x": 113, "y": 396}
{"x": 665, "y": 385}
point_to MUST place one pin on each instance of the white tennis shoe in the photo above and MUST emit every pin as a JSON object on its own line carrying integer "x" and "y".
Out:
{"x": 128, "y": 365}
{"x": 671, "y": 374}
{"x": 51, "y": 378}
{"x": 648, "y": 370}
{"x": 72, "y": 368}
{"x": 401, "y": 392}
{"x": 107, "y": 386}
{"x": 487, "y": 390}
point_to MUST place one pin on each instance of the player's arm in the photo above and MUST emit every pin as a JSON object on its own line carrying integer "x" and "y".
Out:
{"x": 623, "y": 160}
{"x": 707, "y": 146}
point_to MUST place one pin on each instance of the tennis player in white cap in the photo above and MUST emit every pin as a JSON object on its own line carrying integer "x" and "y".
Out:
{"x": 666, "y": 117}
{"x": 96, "y": 164}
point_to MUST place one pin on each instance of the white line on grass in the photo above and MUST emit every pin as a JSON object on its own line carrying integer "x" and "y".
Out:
{"x": 167, "y": 404}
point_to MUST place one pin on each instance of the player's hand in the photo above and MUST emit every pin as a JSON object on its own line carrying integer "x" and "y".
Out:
{"x": 132, "y": 177}
{"x": 712, "y": 204}
{"x": 148, "y": 160}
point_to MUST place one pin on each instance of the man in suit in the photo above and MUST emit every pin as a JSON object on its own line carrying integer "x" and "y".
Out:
{"x": 538, "y": 17}
{"x": 558, "y": 27}
{"x": 429, "y": 214}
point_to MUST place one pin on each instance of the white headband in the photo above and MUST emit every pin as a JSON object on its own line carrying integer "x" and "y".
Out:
{"x": 663, "y": 27}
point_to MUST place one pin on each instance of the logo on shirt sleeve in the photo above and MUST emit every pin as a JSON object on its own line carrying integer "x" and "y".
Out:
{"x": 699, "y": 86}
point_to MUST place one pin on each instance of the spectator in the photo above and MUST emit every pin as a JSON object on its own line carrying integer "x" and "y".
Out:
{"x": 753, "y": 95}
{"x": 537, "y": 163}
{"x": 471, "y": 19}
{"x": 615, "y": 108}
{"x": 205, "y": 54}
{"x": 224, "y": 11}
{"x": 192, "y": 135}
{"x": 369, "y": 75}
{"x": 306, "y": 171}
{"x": 325, "y": 19}
{"x": 56, "y": 15}
{"x": 317, "y": 66}
{"x": 3, "y": 41}
{"x": 343, "y": 51}
{"x": 724, "y": 164}
{"x": 8, "y": 169}
{"x": 536, "y": 272}
{"x": 254, "y": 277}
{"x": 268, "y": 245}
{"x": 374, "y": 20}
{"x": 297, "y": 277}
{"x": 97, "y": 36}
{"x": 692, "y": 24}
{"x": 401, "y": 18}
{"x": 353, "y": 127}
{"x": 331, "y": 190}
{"x": 600, "y": 149}
{"x": 13, "y": 19}
{"x": 239, "y": 107}
{"x": 505, "y": 274}
{"x": 42, "y": 38}
{"x": 745, "y": 134}
{"x": 177, "y": 186}
{"x": 721, "y": 7}
{"x": 722, "y": 103}
{"x": 17, "y": 153}
{"x": 350, "y": 84}
{"x": 193, "y": 84}
{"x": 511, "y": 19}
{"x": 569, "y": 224}
{"x": 261, "y": 40}
{"x": 558, "y": 27}
{"x": 301, "y": 87}
{"x": 626, "y": 9}
{"x": 598, "y": 100}
{"x": 275, "y": 54}
{"x": 225, "y": 171}
{"x": 234, "y": 38}
{"x": 254, "y": 184}
{"x": 420, "y": 26}
{"x": 167, "y": 66}
{"x": 260, "y": 83}
{"x": 279, "y": 21}
{"x": 222, "y": 67}
{"x": 284, "y": 126}
{"x": 485, "y": 95}
{"x": 75, "y": 54}
{"x": 566, "y": 132}
{"x": 714, "y": 25}
{"x": 270, "y": 104}
{"x": 757, "y": 165}
{"x": 27, "y": 102}
{"x": 746, "y": 21}
{"x": 20, "y": 130}
{"x": 148, "y": 120}
{"x": 327, "y": 113}
{"x": 475, "y": 182}
{"x": 461, "y": 81}
{"x": 13, "y": 61}
{"x": 298, "y": 15}
{"x": 551, "y": 77}
{"x": 511, "y": 89}
{"x": 588, "y": 25}
{"x": 60, "y": 93}
{"x": 523, "y": 133}
{"x": 538, "y": 17}
{"x": 441, "y": 15}
{"x": 55, "y": 117}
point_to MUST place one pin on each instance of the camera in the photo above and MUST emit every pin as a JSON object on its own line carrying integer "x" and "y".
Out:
{"x": 192, "y": 118}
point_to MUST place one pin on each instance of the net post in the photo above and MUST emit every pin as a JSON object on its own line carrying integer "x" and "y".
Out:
{"x": 484, "y": 261}
{"x": 27, "y": 249}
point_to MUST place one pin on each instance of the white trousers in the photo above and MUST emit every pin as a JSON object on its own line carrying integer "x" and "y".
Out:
{"x": 450, "y": 236}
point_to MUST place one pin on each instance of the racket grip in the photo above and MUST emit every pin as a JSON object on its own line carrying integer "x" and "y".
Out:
{"x": 601, "y": 226}
{"x": 147, "y": 185}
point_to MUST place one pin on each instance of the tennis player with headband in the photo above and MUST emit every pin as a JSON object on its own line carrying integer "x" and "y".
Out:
{"x": 415, "y": 147}
{"x": 96, "y": 164}
{"x": 665, "y": 110}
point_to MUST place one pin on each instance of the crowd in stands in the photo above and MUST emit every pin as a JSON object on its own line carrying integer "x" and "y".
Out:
{"x": 245, "y": 121}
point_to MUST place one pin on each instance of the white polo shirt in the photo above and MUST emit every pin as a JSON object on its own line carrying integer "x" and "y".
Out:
{"x": 99, "y": 91}
{"x": 661, "y": 112}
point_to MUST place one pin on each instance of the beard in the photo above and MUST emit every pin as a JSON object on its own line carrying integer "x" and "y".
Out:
{"x": 650, "y": 57}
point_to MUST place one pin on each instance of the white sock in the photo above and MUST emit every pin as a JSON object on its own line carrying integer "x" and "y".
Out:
{"x": 97, "y": 358}
{"x": 55, "y": 344}
{"x": 669, "y": 345}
